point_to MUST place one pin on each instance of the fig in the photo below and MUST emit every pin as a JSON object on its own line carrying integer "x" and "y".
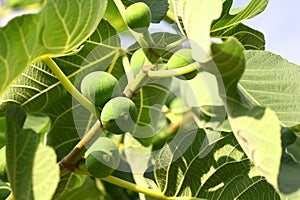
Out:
{"x": 103, "y": 158}
{"x": 137, "y": 16}
{"x": 99, "y": 87}
{"x": 182, "y": 58}
{"x": 138, "y": 60}
{"x": 119, "y": 115}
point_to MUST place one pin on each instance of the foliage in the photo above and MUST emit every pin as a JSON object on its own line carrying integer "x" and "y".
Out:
{"x": 230, "y": 132}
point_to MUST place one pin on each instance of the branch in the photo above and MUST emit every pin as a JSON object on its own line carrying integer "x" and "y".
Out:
{"x": 69, "y": 86}
{"x": 70, "y": 160}
{"x": 174, "y": 72}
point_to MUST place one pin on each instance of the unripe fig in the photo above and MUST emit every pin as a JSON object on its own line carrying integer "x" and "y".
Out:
{"x": 182, "y": 58}
{"x": 137, "y": 16}
{"x": 138, "y": 60}
{"x": 103, "y": 158}
{"x": 119, "y": 115}
{"x": 98, "y": 87}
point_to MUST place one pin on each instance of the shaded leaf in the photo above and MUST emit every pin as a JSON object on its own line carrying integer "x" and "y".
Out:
{"x": 250, "y": 38}
{"x": 60, "y": 27}
{"x": 73, "y": 186}
{"x": 149, "y": 103}
{"x": 190, "y": 168}
{"x": 24, "y": 155}
{"x": 159, "y": 8}
{"x": 4, "y": 190}
{"x": 231, "y": 18}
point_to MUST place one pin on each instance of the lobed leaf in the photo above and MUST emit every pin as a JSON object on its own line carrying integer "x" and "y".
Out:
{"x": 60, "y": 27}
{"x": 191, "y": 168}
{"x": 38, "y": 90}
{"x": 230, "y": 18}
{"x": 253, "y": 126}
{"x": 250, "y": 38}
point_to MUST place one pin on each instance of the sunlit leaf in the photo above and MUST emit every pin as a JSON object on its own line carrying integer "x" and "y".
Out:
{"x": 253, "y": 126}
{"x": 272, "y": 83}
{"x": 197, "y": 17}
{"x": 191, "y": 168}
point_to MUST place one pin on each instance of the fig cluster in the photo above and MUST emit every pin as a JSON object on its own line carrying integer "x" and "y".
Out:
{"x": 118, "y": 114}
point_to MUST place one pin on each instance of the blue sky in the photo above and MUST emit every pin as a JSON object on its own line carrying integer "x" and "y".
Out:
{"x": 281, "y": 25}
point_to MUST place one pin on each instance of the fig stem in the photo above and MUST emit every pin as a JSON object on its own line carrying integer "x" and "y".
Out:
{"x": 139, "y": 38}
{"x": 134, "y": 187}
{"x": 68, "y": 85}
{"x": 149, "y": 39}
{"x": 140, "y": 80}
{"x": 127, "y": 67}
{"x": 69, "y": 161}
{"x": 174, "y": 72}
{"x": 175, "y": 44}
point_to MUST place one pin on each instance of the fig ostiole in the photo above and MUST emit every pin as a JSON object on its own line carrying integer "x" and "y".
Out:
{"x": 102, "y": 158}
{"x": 182, "y": 58}
{"x": 99, "y": 87}
{"x": 119, "y": 115}
{"x": 137, "y": 16}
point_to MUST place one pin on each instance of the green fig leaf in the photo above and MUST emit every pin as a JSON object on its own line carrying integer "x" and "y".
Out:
{"x": 195, "y": 16}
{"x": 252, "y": 125}
{"x": 265, "y": 88}
{"x": 250, "y": 38}
{"x": 24, "y": 156}
{"x": 232, "y": 17}
{"x": 190, "y": 168}
{"x": 57, "y": 29}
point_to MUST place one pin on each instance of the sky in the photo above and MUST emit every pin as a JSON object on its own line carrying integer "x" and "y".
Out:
{"x": 281, "y": 26}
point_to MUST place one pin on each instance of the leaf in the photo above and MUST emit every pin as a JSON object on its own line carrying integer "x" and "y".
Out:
{"x": 74, "y": 186}
{"x": 230, "y": 18}
{"x": 38, "y": 90}
{"x": 149, "y": 103}
{"x": 60, "y": 27}
{"x": 293, "y": 150}
{"x": 2, "y": 132}
{"x": 190, "y": 168}
{"x": 20, "y": 3}
{"x": 159, "y": 9}
{"x": 4, "y": 190}
{"x": 113, "y": 14}
{"x": 253, "y": 126}
{"x": 272, "y": 81}
{"x": 45, "y": 173}
{"x": 38, "y": 123}
{"x": 198, "y": 15}
{"x": 24, "y": 155}
{"x": 250, "y": 38}
{"x": 3, "y": 174}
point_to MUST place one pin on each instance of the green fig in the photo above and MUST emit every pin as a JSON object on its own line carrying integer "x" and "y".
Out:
{"x": 119, "y": 115}
{"x": 99, "y": 87}
{"x": 182, "y": 58}
{"x": 137, "y": 16}
{"x": 103, "y": 158}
